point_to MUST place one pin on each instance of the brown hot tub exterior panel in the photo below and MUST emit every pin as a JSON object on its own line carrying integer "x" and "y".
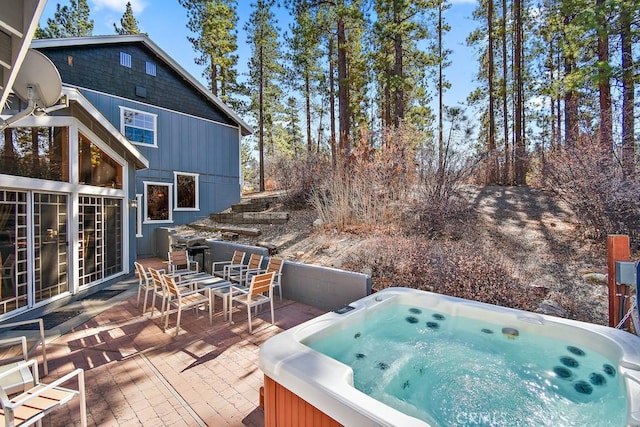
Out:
{"x": 282, "y": 408}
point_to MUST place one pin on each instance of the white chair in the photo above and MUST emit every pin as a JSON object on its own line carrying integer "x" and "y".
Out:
{"x": 182, "y": 297}
{"x": 33, "y": 342}
{"x": 222, "y": 268}
{"x": 274, "y": 266}
{"x": 259, "y": 293}
{"x": 179, "y": 262}
{"x": 241, "y": 274}
{"x": 33, "y": 404}
{"x": 17, "y": 380}
{"x": 145, "y": 284}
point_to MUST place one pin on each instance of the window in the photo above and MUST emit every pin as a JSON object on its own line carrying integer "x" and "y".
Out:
{"x": 150, "y": 68}
{"x": 186, "y": 191}
{"x": 96, "y": 167}
{"x": 158, "y": 197}
{"x": 125, "y": 59}
{"x": 38, "y": 152}
{"x": 139, "y": 127}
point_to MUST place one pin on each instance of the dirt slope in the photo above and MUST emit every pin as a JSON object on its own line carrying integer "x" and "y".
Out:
{"x": 529, "y": 228}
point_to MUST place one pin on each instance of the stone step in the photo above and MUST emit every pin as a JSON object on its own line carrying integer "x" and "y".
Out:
{"x": 246, "y": 231}
{"x": 256, "y": 204}
{"x": 251, "y": 217}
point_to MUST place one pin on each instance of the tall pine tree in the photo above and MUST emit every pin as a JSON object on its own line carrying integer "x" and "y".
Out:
{"x": 216, "y": 40}
{"x": 128, "y": 22}
{"x": 265, "y": 71}
{"x": 68, "y": 21}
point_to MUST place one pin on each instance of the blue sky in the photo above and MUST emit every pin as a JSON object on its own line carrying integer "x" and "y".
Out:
{"x": 165, "y": 23}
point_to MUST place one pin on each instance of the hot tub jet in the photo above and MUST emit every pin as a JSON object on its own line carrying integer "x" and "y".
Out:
{"x": 511, "y": 333}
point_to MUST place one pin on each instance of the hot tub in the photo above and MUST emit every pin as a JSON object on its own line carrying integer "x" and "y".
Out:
{"x": 589, "y": 367}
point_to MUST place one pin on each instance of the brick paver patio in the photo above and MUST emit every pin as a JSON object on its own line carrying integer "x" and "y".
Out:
{"x": 138, "y": 375}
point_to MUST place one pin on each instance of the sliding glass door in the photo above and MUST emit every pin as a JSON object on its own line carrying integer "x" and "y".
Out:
{"x": 100, "y": 233}
{"x": 50, "y": 245}
{"x": 13, "y": 250}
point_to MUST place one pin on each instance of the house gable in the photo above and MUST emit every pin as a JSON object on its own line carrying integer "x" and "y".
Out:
{"x": 97, "y": 67}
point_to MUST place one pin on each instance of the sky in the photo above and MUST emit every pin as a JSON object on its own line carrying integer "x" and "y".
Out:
{"x": 165, "y": 22}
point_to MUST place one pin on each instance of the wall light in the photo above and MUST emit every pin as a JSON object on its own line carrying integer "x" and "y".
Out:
{"x": 133, "y": 203}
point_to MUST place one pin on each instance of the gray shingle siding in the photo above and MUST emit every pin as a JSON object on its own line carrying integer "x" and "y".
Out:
{"x": 97, "y": 67}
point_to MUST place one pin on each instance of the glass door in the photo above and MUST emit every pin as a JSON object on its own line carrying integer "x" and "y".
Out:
{"x": 100, "y": 232}
{"x": 13, "y": 250}
{"x": 50, "y": 245}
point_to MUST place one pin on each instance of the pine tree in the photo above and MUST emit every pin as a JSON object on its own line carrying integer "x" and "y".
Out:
{"x": 214, "y": 24}
{"x": 627, "y": 11}
{"x": 128, "y": 22}
{"x": 265, "y": 70}
{"x": 69, "y": 21}
{"x": 304, "y": 44}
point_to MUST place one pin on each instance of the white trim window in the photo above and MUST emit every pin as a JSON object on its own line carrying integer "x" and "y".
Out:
{"x": 125, "y": 59}
{"x": 139, "y": 127}
{"x": 158, "y": 201}
{"x": 186, "y": 191}
{"x": 150, "y": 68}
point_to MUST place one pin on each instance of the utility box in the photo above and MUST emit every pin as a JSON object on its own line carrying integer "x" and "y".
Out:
{"x": 625, "y": 272}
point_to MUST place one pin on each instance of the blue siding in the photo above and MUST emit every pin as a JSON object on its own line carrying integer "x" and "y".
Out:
{"x": 185, "y": 144}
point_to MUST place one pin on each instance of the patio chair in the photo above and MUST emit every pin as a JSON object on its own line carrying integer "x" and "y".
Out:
{"x": 12, "y": 354}
{"x": 241, "y": 274}
{"x": 145, "y": 284}
{"x": 259, "y": 292}
{"x": 221, "y": 268}
{"x": 274, "y": 266}
{"x": 158, "y": 289}
{"x": 33, "y": 404}
{"x": 179, "y": 262}
{"x": 16, "y": 381}
{"x": 182, "y": 298}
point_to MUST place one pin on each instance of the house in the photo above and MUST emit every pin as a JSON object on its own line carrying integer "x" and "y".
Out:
{"x": 67, "y": 176}
{"x": 129, "y": 146}
{"x": 190, "y": 137}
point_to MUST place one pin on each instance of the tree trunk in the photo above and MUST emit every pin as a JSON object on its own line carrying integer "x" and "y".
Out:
{"x": 332, "y": 103}
{"x": 570, "y": 100}
{"x": 214, "y": 77}
{"x": 35, "y": 160}
{"x": 440, "y": 93}
{"x": 398, "y": 69}
{"x": 605, "y": 137}
{"x": 343, "y": 94}
{"x": 628, "y": 142}
{"x": 551, "y": 98}
{"x": 505, "y": 77}
{"x": 519, "y": 143}
{"x": 307, "y": 96}
{"x": 491, "y": 137}
{"x": 261, "y": 118}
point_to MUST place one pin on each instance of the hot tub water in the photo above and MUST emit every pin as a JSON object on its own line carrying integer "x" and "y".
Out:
{"x": 452, "y": 370}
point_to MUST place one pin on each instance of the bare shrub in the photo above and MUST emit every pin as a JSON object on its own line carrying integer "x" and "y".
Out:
{"x": 367, "y": 192}
{"x": 590, "y": 180}
{"x": 449, "y": 268}
{"x": 442, "y": 207}
{"x": 297, "y": 176}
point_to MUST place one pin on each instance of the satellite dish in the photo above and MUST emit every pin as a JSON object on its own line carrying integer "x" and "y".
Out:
{"x": 38, "y": 80}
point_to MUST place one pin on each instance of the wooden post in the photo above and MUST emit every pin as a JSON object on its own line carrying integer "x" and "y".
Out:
{"x": 617, "y": 250}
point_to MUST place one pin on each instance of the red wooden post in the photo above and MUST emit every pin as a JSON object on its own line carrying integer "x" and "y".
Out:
{"x": 617, "y": 250}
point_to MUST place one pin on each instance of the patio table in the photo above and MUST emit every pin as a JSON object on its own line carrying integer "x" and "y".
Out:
{"x": 215, "y": 285}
